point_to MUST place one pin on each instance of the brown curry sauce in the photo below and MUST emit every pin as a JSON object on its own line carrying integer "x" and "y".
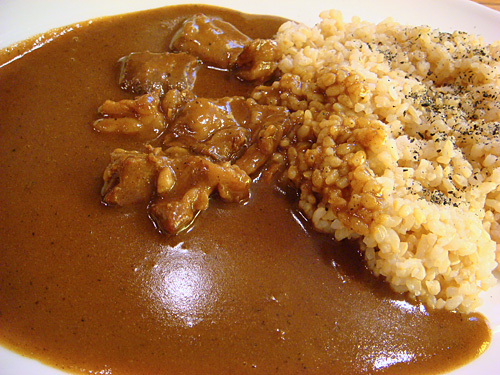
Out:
{"x": 249, "y": 289}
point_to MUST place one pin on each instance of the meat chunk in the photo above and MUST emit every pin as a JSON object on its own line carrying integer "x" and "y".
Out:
{"x": 214, "y": 41}
{"x": 220, "y": 44}
{"x": 141, "y": 116}
{"x": 258, "y": 61}
{"x": 209, "y": 127}
{"x": 143, "y": 72}
{"x": 192, "y": 179}
{"x": 177, "y": 183}
{"x": 225, "y": 128}
{"x": 129, "y": 178}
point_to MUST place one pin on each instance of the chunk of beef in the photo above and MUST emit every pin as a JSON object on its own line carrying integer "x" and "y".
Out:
{"x": 190, "y": 181}
{"x": 220, "y": 44}
{"x": 141, "y": 116}
{"x": 258, "y": 61}
{"x": 214, "y": 41}
{"x": 209, "y": 127}
{"x": 177, "y": 183}
{"x": 230, "y": 128}
{"x": 143, "y": 72}
{"x": 129, "y": 178}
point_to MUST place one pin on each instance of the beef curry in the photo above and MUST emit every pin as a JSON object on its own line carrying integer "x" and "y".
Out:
{"x": 250, "y": 288}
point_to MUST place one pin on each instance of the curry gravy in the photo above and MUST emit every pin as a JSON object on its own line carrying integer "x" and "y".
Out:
{"x": 248, "y": 289}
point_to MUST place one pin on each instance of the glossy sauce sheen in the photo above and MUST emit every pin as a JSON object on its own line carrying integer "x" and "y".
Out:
{"x": 249, "y": 289}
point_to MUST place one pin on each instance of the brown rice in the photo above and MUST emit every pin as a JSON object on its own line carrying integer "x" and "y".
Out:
{"x": 399, "y": 147}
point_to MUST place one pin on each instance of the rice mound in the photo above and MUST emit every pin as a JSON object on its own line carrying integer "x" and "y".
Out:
{"x": 399, "y": 147}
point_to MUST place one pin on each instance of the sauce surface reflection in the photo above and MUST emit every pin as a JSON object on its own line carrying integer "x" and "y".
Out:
{"x": 181, "y": 284}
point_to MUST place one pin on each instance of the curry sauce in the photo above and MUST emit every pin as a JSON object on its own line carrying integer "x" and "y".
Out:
{"x": 250, "y": 288}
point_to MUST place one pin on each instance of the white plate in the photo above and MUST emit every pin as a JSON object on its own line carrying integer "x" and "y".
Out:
{"x": 22, "y": 19}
